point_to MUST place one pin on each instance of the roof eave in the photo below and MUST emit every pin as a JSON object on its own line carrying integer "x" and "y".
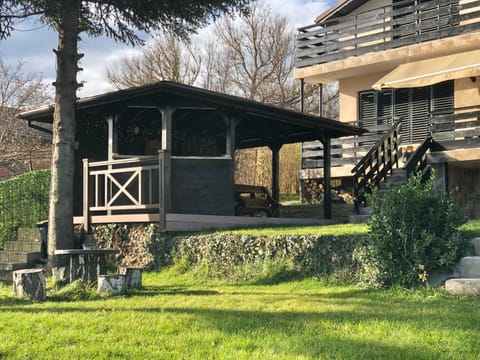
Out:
{"x": 230, "y": 102}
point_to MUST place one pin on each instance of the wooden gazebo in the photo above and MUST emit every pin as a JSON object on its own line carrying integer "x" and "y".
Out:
{"x": 145, "y": 153}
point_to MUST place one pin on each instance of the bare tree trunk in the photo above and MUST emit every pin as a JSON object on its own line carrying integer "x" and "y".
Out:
{"x": 61, "y": 191}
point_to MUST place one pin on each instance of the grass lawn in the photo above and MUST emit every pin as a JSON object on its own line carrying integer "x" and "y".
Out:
{"x": 470, "y": 229}
{"x": 177, "y": 317}
{"x": 338, "y": 229}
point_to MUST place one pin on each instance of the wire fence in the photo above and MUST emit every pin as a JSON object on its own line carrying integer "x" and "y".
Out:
{"x": 23, "y": 202}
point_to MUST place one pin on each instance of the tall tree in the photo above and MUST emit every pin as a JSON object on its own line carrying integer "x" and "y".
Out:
{"x": 21, "y": 90}
{"x": 118, "y": 19}
{"x": 258, "y": 51}
{"x": 250, "y": 56}
{"x": 165, "y": 58}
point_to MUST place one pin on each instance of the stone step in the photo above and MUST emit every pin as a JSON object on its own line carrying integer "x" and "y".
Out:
{"x": 476, "y": 246}
{"x": 3, "y": 256}
{"x": 463, "y": 286}
{"x": 397, "y": 177}
{"x": 28, "y": 234}
{"x": 365, "y": 210}
{"x": 12, "y": 266}
{"x": 357, "y": 219}
{"x": 469, "y": 267}
{"x": 25, "y": 246}
{"x": 23, "y": 257}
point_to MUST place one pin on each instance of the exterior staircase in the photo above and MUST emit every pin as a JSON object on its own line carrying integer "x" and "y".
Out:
{"x": 397, "y": 177}
{"x": 23, "y": 253}
{"x": 467, "y": 281}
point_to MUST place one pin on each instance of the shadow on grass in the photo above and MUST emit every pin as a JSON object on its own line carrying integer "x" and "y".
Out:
{"x": 325, "y": 332}
{"x": 87, "y": 294}
{"x": 171, "y": 290}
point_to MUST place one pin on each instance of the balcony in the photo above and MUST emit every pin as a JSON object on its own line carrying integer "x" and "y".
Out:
{"x": 385, "y": 28}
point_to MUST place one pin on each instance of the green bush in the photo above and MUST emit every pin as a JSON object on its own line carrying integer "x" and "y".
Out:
{"x": 413, "y": 232}
{"x": 23, "y": 202}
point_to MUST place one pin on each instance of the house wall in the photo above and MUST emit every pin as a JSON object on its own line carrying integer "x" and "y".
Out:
{"x": 465, "y": 11}
{"x": 464, "y": 185}
{"x": 202, "y": 186}
{"x": 348, "y": 94}
{"x": 467, "y": 93}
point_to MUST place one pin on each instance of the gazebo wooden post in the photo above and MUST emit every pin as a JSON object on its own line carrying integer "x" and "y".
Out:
{"x": 112, "y": 142}
{"x": 86, "y": 197}
{"x": 164, "y": 171}
{"x": 275, "y": 148}
{"x": 327, "y": 196}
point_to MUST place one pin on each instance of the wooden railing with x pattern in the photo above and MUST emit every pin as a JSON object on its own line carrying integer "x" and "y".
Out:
{"x": 123, "y": 186}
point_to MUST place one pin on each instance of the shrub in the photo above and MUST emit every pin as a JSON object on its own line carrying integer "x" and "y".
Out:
{"x": 413, "y": 232}
{"x": 23, "y": 202}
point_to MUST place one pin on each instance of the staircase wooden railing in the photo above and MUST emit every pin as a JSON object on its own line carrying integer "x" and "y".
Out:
{"x": 377, "y": 163}
{"x": 418, "y": 161}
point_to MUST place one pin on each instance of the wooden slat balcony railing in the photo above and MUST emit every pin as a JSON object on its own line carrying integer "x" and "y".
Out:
{"x": 458, "y": 130}
{"x": 384, "y": 28}
{"x": 347, "y": 150}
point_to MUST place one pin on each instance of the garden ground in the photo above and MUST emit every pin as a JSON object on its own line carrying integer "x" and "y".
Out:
{"x": 178, "y": 316}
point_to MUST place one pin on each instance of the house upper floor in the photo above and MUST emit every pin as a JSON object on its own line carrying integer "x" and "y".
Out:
{"x": 359, "y": 36}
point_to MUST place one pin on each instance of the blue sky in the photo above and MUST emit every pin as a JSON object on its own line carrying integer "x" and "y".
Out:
{"x": 33, "y": 45}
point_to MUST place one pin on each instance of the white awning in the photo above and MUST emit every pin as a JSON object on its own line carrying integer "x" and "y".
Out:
{"x": 432, "y": 71}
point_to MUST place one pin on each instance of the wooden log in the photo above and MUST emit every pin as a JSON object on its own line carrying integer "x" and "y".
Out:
{"x": 111, "y": 284}
{"x": 87, "y": 266}
{"x": 29, "y": 283}
{"x": 133, "y": 277}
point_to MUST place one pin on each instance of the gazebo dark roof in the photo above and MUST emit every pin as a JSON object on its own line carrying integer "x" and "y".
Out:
{"x": 259, "y": 124}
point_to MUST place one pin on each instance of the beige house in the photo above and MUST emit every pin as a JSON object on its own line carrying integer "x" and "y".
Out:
{"x": 409, "y": 72}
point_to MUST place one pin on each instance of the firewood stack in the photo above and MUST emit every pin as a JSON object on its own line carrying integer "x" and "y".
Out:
{"x": 312, "y": 191}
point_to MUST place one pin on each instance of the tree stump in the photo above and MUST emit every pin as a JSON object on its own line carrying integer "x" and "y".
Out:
{"x": 133, "y": 277}
{"x": 30, "y": 283}
{"x": 111, "y": 284}
{"x": 60, "y": 274}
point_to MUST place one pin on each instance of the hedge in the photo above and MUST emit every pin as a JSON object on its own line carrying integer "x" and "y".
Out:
{"x": 23, "y": 202}
{"x": 233, "y": 256}
{"x": 242, "y": 257}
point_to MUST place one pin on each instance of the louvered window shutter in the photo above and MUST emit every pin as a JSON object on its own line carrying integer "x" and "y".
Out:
{"x": 413, "y": 105}
{"x": 402, "y": 109}
{"x": 385, "y": 108}
{"x": 367, "y": 109}
{"x": 420, "y": 112}
{"x": 442, "y": 98}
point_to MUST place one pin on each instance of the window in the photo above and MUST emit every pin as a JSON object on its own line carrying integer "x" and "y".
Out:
{"x": 377, "y": 108}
